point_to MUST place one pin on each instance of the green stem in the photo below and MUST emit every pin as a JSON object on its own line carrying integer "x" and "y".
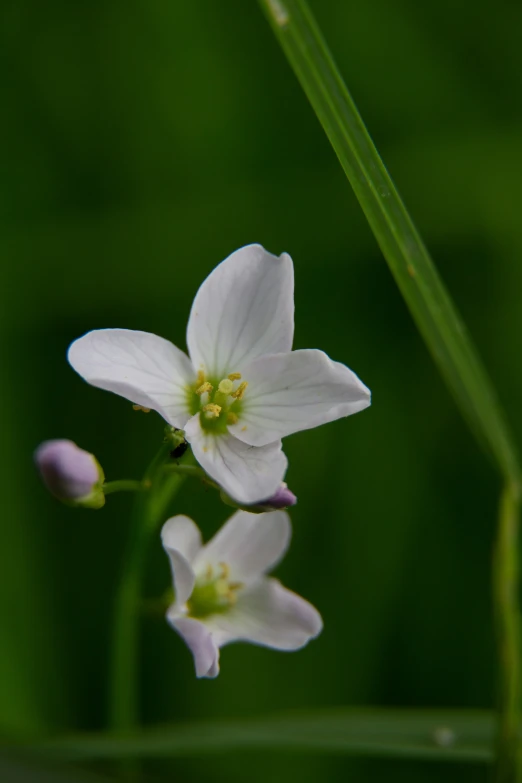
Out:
{"x": 505, "y": 590}
{"x": 148, "y": 513}
{"x": 189, "y": 470}
{"x": 124, "y": 485}
{"x": 408, "y": 259}
{"x": 434, "y": 313}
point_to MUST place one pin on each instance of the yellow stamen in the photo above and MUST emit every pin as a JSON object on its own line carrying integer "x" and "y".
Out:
{"x": 232, "y": 418}
{"x": 209, "y": 572}
{"x": 141, "y": 408}
{"x": 235, "y": 586}
{"x": 234, "y": 376}
{"x": 200, "y": 378}
{"x": 212, "y": 410}
{"x": 225, "y": 386}
{"x": 239, "y": 392}
{"x": 205, "y": 387}
{"x": 222, "y": 587}
{"x": 225, "y": 570}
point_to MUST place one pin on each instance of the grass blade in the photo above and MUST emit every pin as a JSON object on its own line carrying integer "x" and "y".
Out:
{"x": 445, "y": 735}
{"x": 403, "y": 249}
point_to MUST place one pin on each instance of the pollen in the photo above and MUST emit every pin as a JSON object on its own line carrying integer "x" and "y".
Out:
{"x": 225, "y": 386}
{"x": 141, "y": 408}
{"x": 205, "y": 387}
{"x": 200, "y": 378}
{"x": 222, "y": 588}
{"x": 225, "y": 570}
{"x": 234, "y": 376}
{"x": 239, "y": 392}
{"x": 212, "y": 410}
{"x": 232, "y": 418}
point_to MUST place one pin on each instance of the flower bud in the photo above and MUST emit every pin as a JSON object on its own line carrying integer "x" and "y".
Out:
{"x": 282, "y": 498}
{"x": 71, "y": 474}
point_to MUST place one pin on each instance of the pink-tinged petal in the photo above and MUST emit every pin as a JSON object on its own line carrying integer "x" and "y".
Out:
{"x": 270, "y": 615}
{"x": 250, "y": 544}
{"x": 142, "y": 367}
{"x": 200, "y": 642}
{"x": 243, "y": 310}
{"x": 296, "y": 391}
{"x": 283, "y": 498}
{"x": 181, "y": 540}
{"x": 246, "y": 473}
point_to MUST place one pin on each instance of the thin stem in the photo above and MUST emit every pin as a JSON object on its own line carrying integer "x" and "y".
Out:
{"x": 148, "y": 512}
{"x": 124, "y": 485}
{"x": 507, "y": 611}
{"x": 190, "y": 470}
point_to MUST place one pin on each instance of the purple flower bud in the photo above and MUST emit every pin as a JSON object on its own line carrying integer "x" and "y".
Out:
{"x": 70, "y": 473}
{"x": 282, "y": 499}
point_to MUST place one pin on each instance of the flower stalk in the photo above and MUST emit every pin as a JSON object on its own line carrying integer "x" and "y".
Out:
{"x": 125, "y": 485}
{"x": 148, "y": 512}
{"x": 505, "y": 583}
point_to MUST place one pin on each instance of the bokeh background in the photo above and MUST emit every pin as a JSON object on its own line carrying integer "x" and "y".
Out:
{"x": 141, "y": 144}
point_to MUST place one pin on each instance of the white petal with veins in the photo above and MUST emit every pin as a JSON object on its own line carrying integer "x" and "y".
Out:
{"x": 247, "y": 473}
{"x": 181, "y": 540}
{"x": 243, "y": 310}
{"x": 250, "y": 546}
{"x": 268, "y": 614}
{"x": 296, "y": 391}
{"x": 142, "y": 367}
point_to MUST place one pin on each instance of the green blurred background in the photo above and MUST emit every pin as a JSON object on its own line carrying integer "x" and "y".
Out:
{"x": 142, "y": 142}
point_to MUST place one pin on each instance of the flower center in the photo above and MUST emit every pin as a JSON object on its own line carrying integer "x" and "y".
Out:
{"x": 213, "y": 594}
{"x": 219, "y": 403}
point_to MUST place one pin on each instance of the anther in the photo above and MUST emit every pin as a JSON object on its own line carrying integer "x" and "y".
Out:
{"x": 234, "y": 376}
{"x": 225, "y": 386}
{"x": 212, "y": 410}
{"x": 239, "y": 392}
{"x": 205, "y": 387}
{"x": 200, "y": 378}
{"x": 222, "y": 587}
{"x": 232, "y": 418}
{"x": 141, "y": 408}
{"x": 225, "y": 570}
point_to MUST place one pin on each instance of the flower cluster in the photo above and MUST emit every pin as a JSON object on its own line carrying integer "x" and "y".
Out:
{"x": 237, "y": 393}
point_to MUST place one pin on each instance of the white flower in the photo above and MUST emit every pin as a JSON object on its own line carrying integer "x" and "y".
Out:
{"x": 243, "y": 388}
{"x": 222, "y": 594}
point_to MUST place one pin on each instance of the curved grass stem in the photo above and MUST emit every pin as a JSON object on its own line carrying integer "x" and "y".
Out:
{"x": 435, "y": 315}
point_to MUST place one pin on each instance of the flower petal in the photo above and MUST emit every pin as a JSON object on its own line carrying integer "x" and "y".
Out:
{"x": 181, "y": 540}
{"x": 250, "y": 544}
{"x": 270, "y": 615}
{"x": 243, "y": 310}
{"x": 296, "y": 391}
{"x": 199, "y": 640}
{"x": 246, "y": 473}
{"x": 142, "y": 367}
